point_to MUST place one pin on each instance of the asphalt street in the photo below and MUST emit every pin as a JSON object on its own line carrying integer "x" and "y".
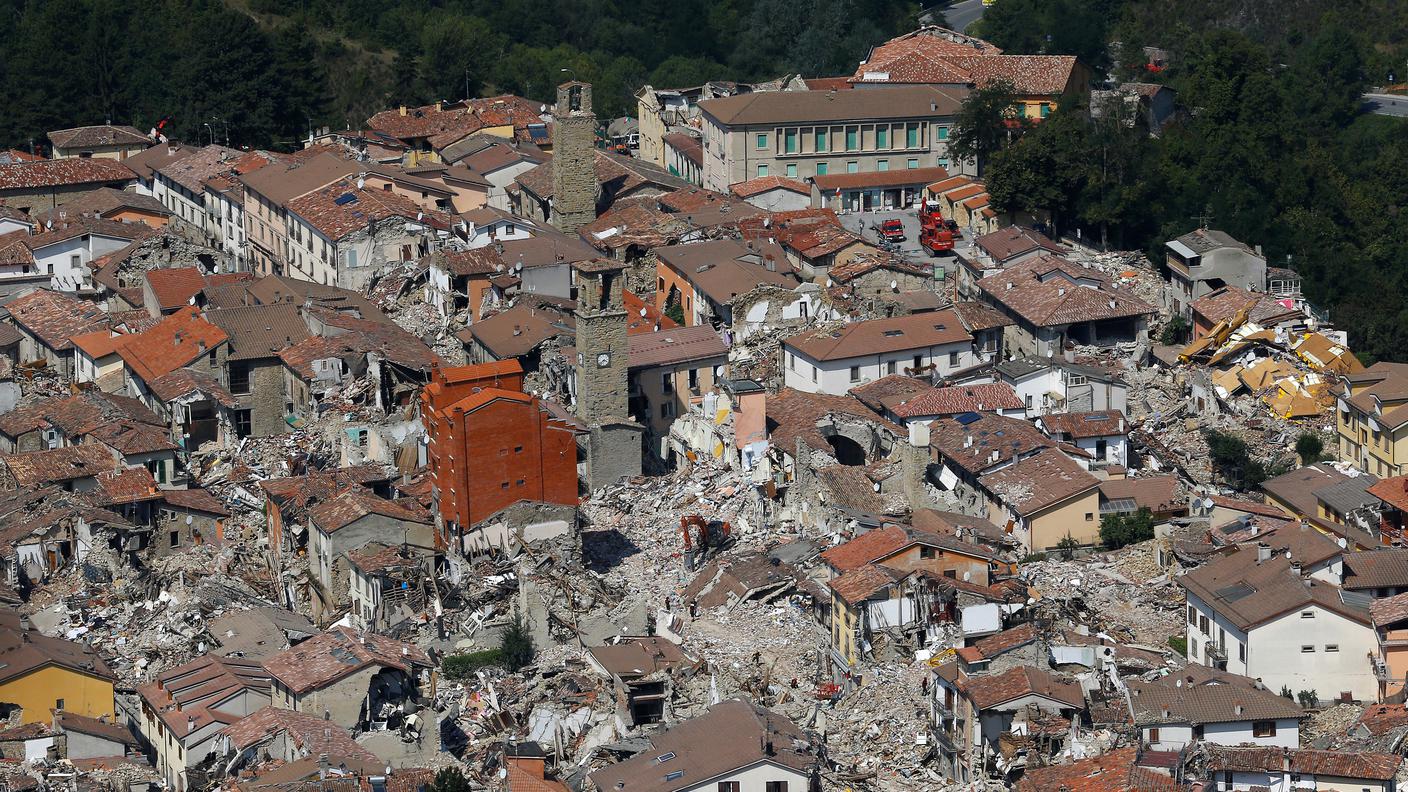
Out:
{"x": 1386, "y": 104}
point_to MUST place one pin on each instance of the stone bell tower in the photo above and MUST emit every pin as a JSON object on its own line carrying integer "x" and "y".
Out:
{"x": 614, "y": 440}
{"x": 574, "y": 184}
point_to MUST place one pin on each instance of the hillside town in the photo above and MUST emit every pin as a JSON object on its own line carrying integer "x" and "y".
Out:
{"x": 742, "y": 445}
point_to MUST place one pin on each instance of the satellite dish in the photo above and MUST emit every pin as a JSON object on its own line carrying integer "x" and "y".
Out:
{"x": 543, "y": 109}
{"x": 894, "y": 285}
{"x": 642, "y": 312}
{"x": 967, "y": 577}
{"x": 361, "y": 183}
{"x": 875, "y": 485}
{"x": 189, "y": 520}
{"x": 420, "y": 216}
{"x": 503, "y": 772}
{"x": 518, "y": 267}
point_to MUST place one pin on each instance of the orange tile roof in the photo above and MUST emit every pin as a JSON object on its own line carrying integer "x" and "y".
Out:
{"x": 175, "y": 286}
{"x": 173, "y": 343}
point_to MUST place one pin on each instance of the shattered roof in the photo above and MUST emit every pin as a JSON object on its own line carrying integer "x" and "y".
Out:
{"x": 634, "y": 657}
{"x": 54, "y": 318}
{"x": 190, "y": 172}
{"x": 955, "y": 399}
{"x": 875, "y": 394}
{"x": 60, "y": 464}
{"x": 857, "y": 585}
{"x": 793, "y": 415}
{"x": 185, "y": 382}
{"x": 337, "y": 653}
{"x": 618, "y": 175}
{"x": 354, "y": 503}
{"x": 978, "y": 316}
{"x": 1039, "y": 481}
{"x": 1116, "y": 771}
{"x": 519, "y": 330}
{"x": 195, "y": 500}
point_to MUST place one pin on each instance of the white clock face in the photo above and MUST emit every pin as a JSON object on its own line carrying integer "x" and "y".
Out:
{"x": 604, "y": 359}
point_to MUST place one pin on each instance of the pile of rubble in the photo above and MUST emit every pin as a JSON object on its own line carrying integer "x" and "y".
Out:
{"x": 1096, "y": 592}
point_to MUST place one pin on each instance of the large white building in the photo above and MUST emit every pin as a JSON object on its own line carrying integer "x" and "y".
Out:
{"x": 1199, "y": 704}
{"x": 833, "y": 361}
{"x": 1256, "y": 613}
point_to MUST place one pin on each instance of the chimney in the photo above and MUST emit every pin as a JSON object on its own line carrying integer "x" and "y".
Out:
{"x": 1061, "y": 291}
{"x": 1237, "y": 709}
{"x": 190, "y": 724}
{"x": 1112, "y": 303}
{"x": 1263, "y": 552}
{"x": 1295, "y": 567}
{"x": 322, "y": 757}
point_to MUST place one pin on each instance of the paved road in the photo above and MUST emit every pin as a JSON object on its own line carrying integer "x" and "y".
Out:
{"x": 963, "y": 13}
{"x": 1386, "y": 104}
{"x": 865, "y": 223}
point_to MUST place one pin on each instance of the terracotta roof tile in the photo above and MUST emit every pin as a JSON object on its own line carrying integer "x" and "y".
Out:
{"x": 1013, "y": 241}
{"x": 956, "y": 399}
{"x": 1048, "y": 291}
{"x": 63, "y": 173}
{"x": 341, "y": 208}
{"x": 326, "y": 658}
{"x": 877, "y": 336}
{"x": 672, "y": 347}
{"x": 353, "y": 504}
{"x": 986, "y": 691}
{"x": 1085, "y": 425}
{"x": 1039, "y": 481}
{"x": 176, "y": 286}
{"x": 1385, "y": 567}
{"x": 1249, "y": 592}
{"x": 762, "y": 184}
{"x": 793, "y": 415}
{"x": 60, "y": 464}
{"x": 99, "y": 135}
{"x": 54, "y": 318}
{"x": 970, "y": 440}
{"x": 1112, "y": 772}
{"x": 178, "y": 340}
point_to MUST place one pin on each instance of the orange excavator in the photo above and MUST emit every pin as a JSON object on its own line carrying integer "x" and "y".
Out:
{"x": 702, "y": 536}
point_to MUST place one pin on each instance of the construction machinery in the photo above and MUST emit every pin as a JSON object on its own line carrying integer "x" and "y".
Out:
{"x": 935, "y": 235}
{"x": 703, "y": 537}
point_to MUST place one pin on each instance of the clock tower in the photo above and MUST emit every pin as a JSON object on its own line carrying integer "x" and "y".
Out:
{"x": 614, "y": 443}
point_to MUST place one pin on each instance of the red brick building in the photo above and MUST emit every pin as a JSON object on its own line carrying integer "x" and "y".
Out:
{"x": 492, "y": 445}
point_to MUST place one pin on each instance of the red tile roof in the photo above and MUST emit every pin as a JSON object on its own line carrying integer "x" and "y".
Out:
{"x": 353, "y": 504}
{"x": 762, "y": 184}
{"x": 991, "y": 690}
{"x": 1048, "y": 292}
{"x": 340, "y": 652}
{"x": 793, "y": 415}
{"x": 62, "y": 173}
{"x": 832, "y": 182}
{"x": 174, "y": 343}
{"x": 99, "y": 135}
{"x": 1112, "y": 772}
{"x": 956, "y": 399}
{"x": 334, "y": 215}
{"x": 60, "y": 464}
{"x": 877, "y": 336}
{"x": 1393, "y": 491}
{"x": 860, "y": 584}
{"x": 176, "y": 286}
{"x": 1039, "y": 481}
{"x": 1084, "y": 425}
{"x": 55, "y": 318}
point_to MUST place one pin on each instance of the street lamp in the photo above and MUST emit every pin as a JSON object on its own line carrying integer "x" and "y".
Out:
{"x": 572, "y": 73}
{"x": 211, "y": 131}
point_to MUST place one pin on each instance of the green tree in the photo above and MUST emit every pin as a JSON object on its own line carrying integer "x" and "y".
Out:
{"x": 1175, "y": 332}
{"x": 450, "y": 779}
{"x": 1309, "y": 447}
{"x": 986, "y": 122}
{"x": 1068, "y": 547}
{"x": 1231, "y": 459}
{"x": 1121, "y": 530}
{"x": 516, "y": 645}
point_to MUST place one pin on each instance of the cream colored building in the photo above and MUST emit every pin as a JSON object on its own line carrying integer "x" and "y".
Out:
{"x": 105, "y": 141}
{"x": 1372, "y": 419}
{"x": 802, "y": 134}
{"x": 1045, "y": 498}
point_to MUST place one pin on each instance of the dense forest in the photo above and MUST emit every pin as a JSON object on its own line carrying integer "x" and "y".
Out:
{"x": 1272, "y": 146}
{"x": 267, "y": 69}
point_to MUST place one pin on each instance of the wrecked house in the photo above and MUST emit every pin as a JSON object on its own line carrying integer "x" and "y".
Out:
{"x": 1054, "y": 303}
{"x": 347, "y": 522}
{"x": 362, "y": 680}
{"x": 642, "y": 673}
{"x": 389, "y": 584}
